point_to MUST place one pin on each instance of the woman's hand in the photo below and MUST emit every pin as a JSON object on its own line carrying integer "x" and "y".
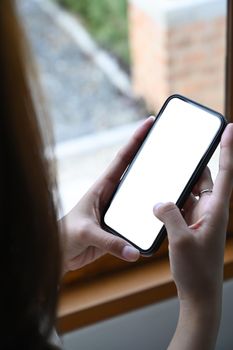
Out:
{"x": 197, "y": 238}
{"x": 196, "y": 251}
{"x": 84, "y": 239}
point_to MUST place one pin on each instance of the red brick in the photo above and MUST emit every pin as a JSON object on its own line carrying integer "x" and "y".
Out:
{"x": 188, "y": 59}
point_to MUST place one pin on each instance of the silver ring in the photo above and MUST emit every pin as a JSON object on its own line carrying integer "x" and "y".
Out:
{"x": 207, "y": 190}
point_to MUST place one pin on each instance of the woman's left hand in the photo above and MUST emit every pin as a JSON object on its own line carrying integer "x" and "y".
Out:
{"x": 84, "y": 239}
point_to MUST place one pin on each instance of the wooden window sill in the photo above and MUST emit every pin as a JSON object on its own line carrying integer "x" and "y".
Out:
{"x": 89, "y": 301}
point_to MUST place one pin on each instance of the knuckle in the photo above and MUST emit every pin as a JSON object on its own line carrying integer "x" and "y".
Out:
{"x": 84, "y": 228}
{"x": 168, "y": 207}
{"x": 113, "y": 245}
{"x": 122, "y": 156}
{"x": 207, "y": 174}
{"x": 181, "y": 243}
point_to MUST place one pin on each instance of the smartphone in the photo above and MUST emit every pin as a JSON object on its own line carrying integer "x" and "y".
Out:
{"x": 166, "y": 167}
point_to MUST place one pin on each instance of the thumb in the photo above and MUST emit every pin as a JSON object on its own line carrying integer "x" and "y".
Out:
{"x": 114, "y": 245}
{"x": 171, "y": 216}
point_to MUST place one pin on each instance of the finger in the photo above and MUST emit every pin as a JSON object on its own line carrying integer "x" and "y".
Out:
{"x": 190, "y": 203}
{"x": 125, "y": 155}
{"x": 170, "y": 215}
{"x": 205, "y": 182}
{"x": 224, "y": 180}
{"x": 91, "y": 254}
{"x": 114, "y": 245}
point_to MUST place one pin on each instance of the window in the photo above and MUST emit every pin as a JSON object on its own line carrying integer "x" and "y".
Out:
{"x": 169, "y": 54}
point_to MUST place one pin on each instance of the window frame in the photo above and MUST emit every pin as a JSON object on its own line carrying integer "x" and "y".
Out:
{"x": 229, "y": 87}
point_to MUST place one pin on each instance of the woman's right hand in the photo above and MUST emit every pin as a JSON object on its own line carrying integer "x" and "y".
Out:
{"x": 196, "y": 250}
{"x": 84, "y": 240}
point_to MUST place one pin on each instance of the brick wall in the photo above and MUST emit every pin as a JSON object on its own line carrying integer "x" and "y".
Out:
{"x": 178, "y": 47}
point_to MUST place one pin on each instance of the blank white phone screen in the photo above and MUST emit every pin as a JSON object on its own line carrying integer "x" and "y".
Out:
{"x": 163, "y": 167}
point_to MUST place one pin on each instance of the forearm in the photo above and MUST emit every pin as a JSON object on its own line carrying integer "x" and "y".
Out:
{"x": 197, "y": 327}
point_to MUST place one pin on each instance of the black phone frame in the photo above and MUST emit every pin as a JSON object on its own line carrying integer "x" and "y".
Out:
{"x": 190, "y": 184}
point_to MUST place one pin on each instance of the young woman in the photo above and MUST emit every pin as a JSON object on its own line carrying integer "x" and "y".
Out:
{"x": 36, "y": 250}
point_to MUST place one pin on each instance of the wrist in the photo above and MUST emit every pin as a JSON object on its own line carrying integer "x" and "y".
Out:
{"x": 202, "y": 296}
{"x": 204, "y": 302}
{"x": 198, "y": 324}
{"x": 201, "y": 319}
{"x": 202, "y": 311}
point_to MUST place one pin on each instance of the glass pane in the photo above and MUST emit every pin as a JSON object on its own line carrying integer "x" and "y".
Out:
{"x": 88, "y": 93}
{"x": 100, "y": 78}
{"x": 179, "y": 46}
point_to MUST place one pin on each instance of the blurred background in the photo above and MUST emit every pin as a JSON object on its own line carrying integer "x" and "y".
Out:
{"x": 104, "y": 66}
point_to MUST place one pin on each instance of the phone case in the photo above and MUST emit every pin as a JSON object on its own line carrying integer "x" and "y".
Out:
{"x": 190, "y": 184}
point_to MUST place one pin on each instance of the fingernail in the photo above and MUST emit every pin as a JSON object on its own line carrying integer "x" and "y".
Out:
{"x": 148, "y": 119}
{"x": 130, "y": 253}
{"x": 151, "y": 117}
{"x": 157, "y": 206}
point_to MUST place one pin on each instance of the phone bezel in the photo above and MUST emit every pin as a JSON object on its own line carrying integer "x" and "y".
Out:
{"x": 189, "y": 186}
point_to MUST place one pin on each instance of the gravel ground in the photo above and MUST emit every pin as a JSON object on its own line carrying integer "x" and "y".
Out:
{"x": 81, "y": 99}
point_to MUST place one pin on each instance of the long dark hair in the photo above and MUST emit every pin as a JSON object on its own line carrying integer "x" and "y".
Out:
{"x": 30, "y": 252}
